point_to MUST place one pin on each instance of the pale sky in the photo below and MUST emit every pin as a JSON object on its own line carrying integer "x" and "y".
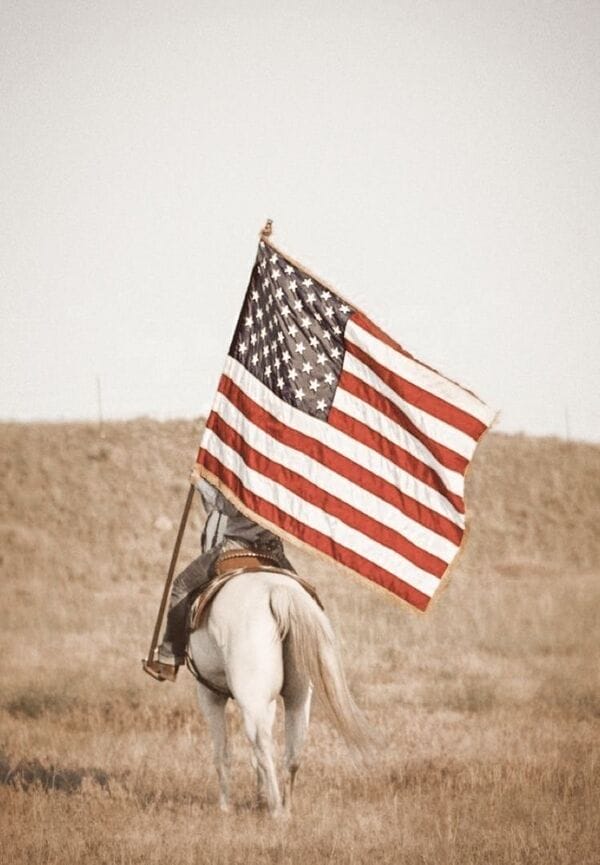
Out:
{"x": 438, "y": 162}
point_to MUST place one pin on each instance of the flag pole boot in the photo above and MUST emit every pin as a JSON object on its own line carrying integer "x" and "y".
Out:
{"x": 160, "y": 670}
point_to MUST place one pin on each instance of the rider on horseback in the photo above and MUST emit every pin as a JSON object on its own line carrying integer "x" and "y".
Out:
{"x": 225, "y": 530}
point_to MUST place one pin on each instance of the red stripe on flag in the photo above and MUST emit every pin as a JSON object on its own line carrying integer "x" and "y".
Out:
{"x": 393, "y": 452}
{"x": 345, "y": 467}
{"x": 358, "y": 388}
{"x": 328, "y": 503}
{"x": 360, "y": 319}
{"x": 314, "y": 538}
{"x": 419, "y": 397}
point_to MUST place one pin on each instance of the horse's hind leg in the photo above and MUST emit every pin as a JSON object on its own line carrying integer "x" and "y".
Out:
{"x": 297, "y": 715}
{"x": 213, "y": 709}
{"x": 258, "y": 723}
{"x": 261, "y": 780}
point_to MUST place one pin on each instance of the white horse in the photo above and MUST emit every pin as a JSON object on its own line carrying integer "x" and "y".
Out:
{"x": 264, "y": 635}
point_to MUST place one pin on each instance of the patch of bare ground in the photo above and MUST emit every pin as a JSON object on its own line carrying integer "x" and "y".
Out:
{"x": 487, "y": 709}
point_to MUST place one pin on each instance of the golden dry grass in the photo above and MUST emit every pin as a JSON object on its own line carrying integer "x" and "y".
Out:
{"x": 487, "y": 709}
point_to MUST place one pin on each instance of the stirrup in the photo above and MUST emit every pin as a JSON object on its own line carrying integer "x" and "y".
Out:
{"x": 160, "y": 671}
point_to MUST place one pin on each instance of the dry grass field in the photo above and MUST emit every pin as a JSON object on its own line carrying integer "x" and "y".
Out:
{"x": 487, "y": 709}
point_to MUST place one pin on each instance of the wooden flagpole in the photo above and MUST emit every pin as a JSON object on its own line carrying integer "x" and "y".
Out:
{"x": 265, "y": 232}
{"x": 169, "y": 580}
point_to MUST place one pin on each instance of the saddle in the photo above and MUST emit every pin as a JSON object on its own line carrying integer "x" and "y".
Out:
{"x": 231, "y": 564}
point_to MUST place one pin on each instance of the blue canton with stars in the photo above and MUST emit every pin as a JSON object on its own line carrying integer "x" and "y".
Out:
{"x": 290, "y": 333}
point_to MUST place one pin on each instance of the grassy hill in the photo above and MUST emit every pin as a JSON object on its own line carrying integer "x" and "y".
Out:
{"x": 72, "y": 494}
{"x": 487, "y": 707}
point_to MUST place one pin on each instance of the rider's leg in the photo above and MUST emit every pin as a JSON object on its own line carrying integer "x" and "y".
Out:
{"x": 171, "y": 652}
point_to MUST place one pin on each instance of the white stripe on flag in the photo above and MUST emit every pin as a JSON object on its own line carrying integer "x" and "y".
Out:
{"x": 333, "y": 483}
{"x": 418, "y": 374}
{"x": 434, "y": 428}
{"x": 315, "y": 518}
{"x": 381, "y": 423}
{"x": 341, "y": 442}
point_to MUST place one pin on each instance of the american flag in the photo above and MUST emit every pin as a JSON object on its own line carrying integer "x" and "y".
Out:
{"x": 327, "y": 431}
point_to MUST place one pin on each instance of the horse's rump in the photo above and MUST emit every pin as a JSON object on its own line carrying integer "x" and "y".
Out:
{"x": 204, "y": 599}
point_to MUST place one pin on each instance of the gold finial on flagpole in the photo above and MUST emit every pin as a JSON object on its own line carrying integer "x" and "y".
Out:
{"x": 268, "y": 228}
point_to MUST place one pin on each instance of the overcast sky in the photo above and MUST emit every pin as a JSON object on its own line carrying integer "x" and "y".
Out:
{"x": 437, "y": 161}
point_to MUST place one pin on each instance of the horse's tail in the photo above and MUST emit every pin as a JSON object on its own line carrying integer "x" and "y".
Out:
{"x": 308, "y": 636}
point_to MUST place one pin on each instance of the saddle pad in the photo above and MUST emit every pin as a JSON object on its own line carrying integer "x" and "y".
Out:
{"x": 214, "y": 587}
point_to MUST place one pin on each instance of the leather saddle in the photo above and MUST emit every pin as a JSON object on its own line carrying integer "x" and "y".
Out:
{"x": 230, "y": 565}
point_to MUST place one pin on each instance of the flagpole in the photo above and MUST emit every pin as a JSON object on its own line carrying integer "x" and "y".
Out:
{"x": 169, "y": 580}
{"x": 265, "y": 232}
